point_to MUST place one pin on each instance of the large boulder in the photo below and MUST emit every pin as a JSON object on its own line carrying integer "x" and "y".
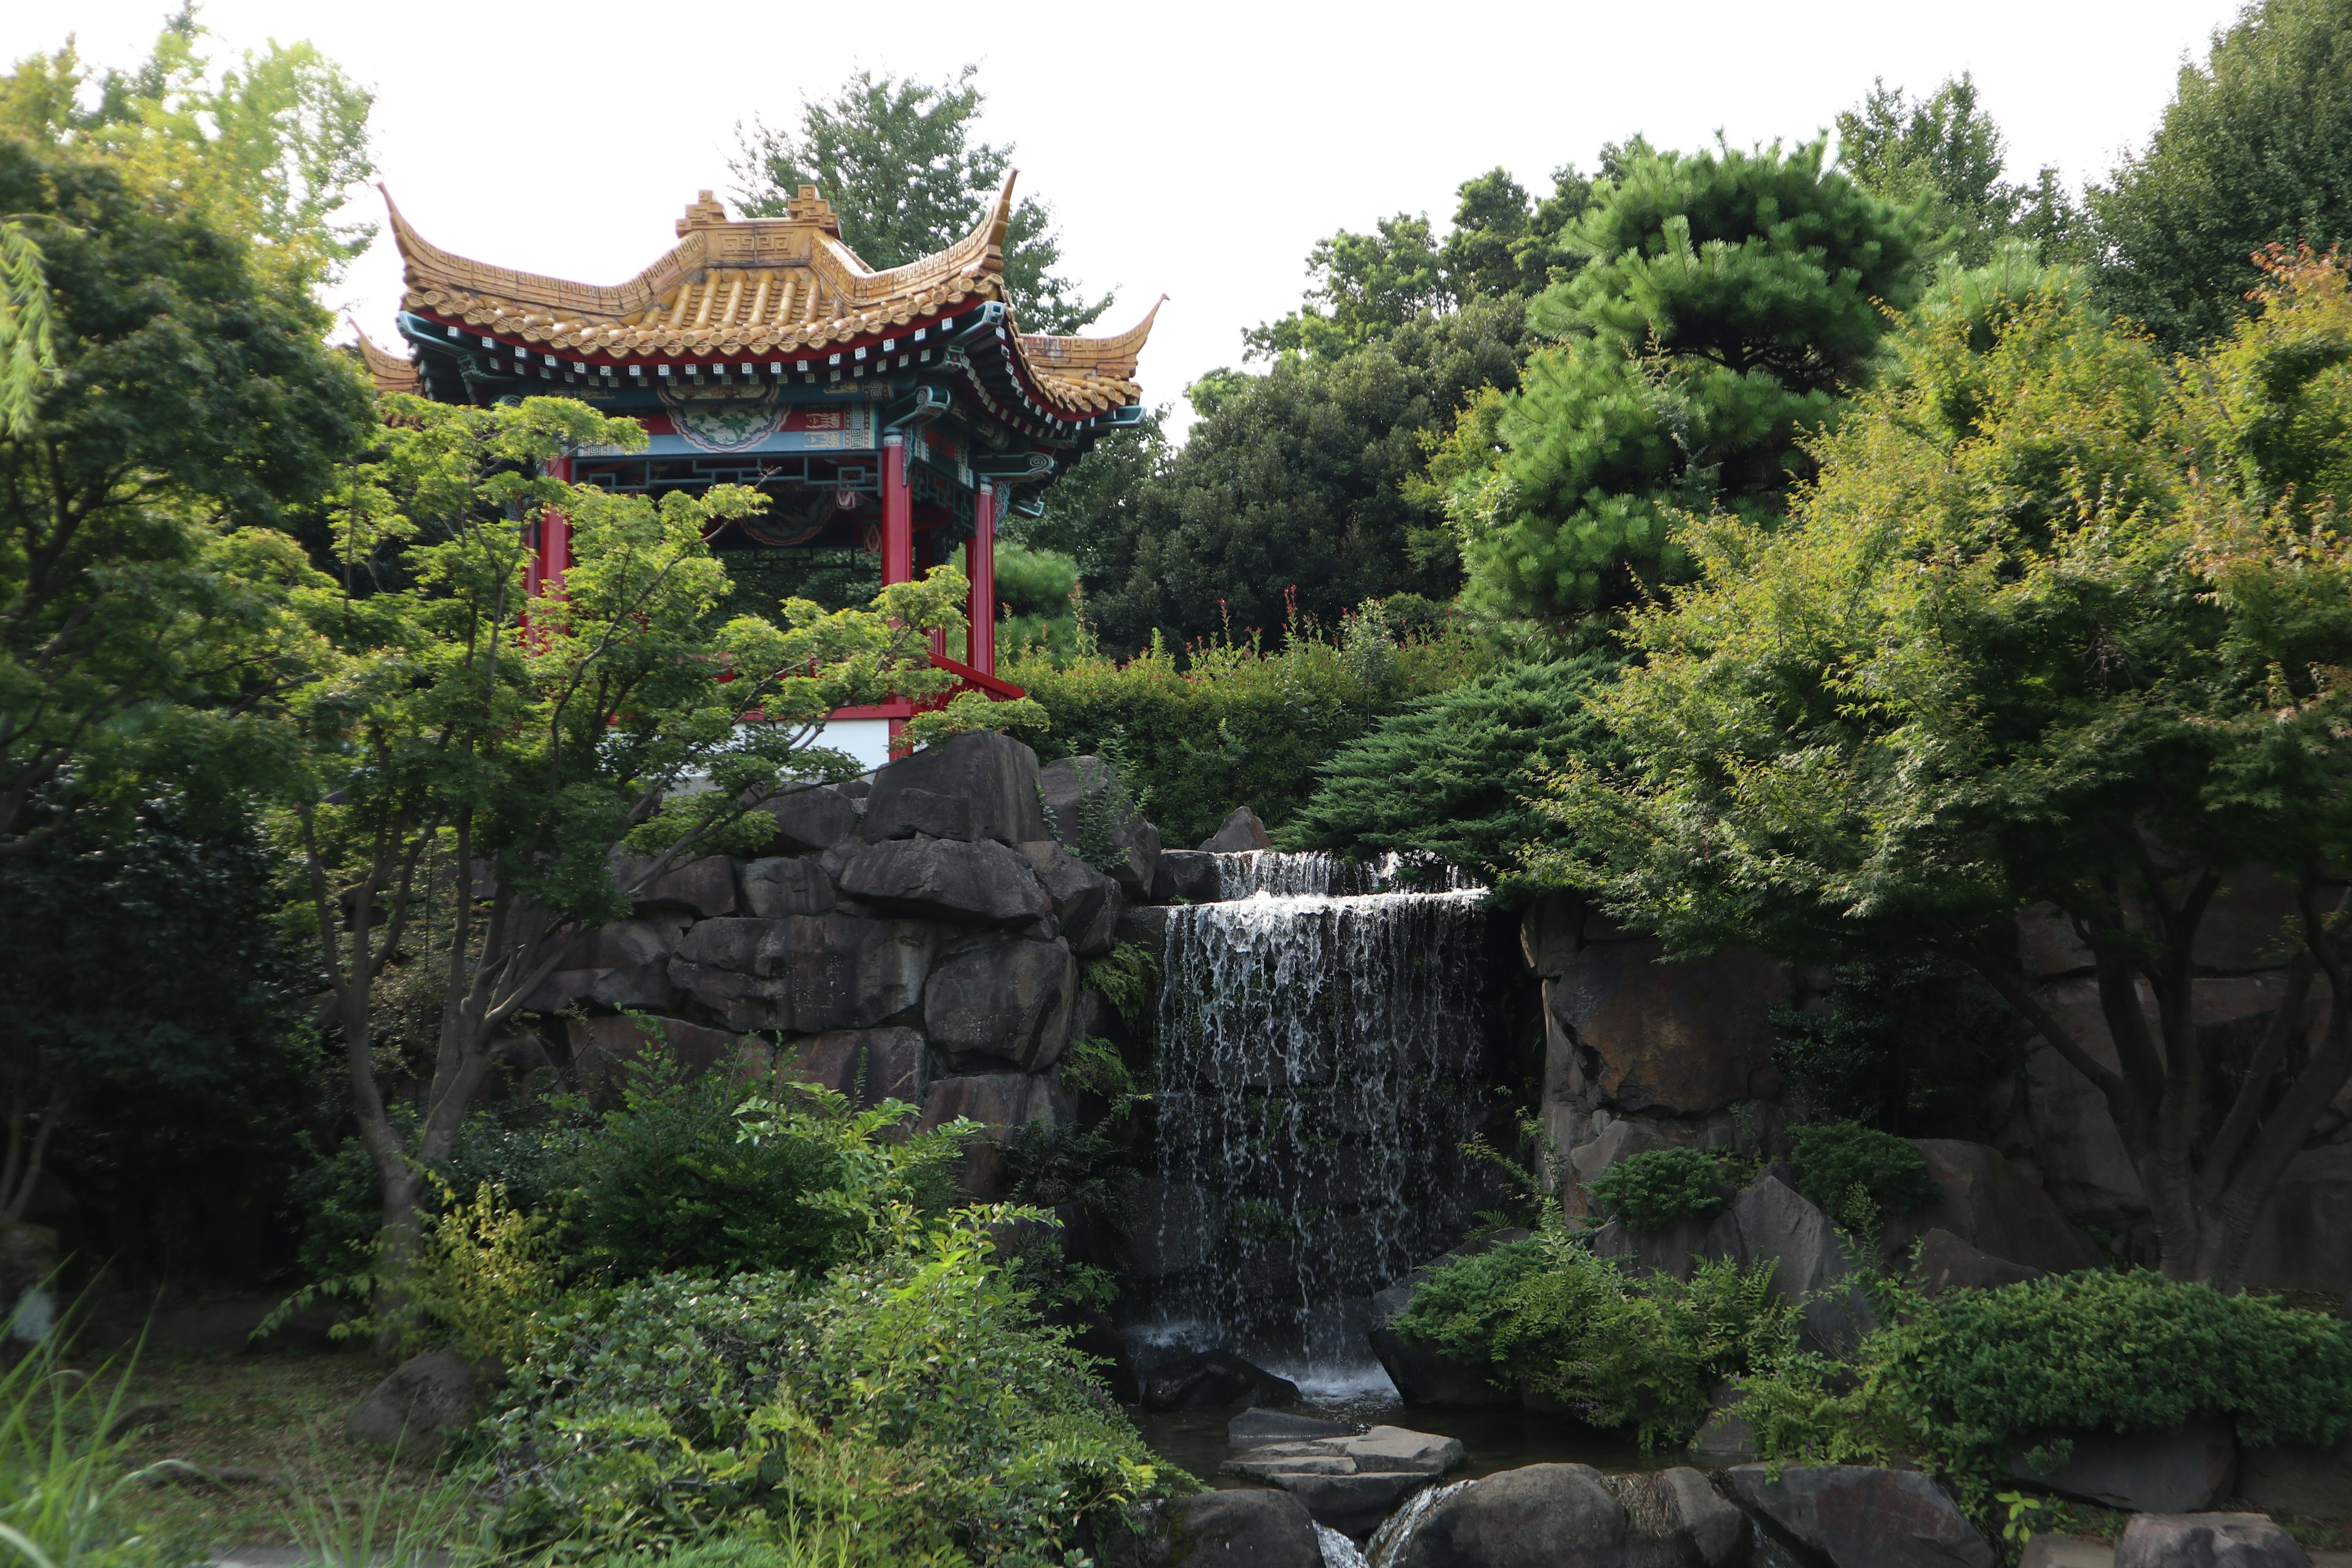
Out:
{"x": 624, "y": 965}
{"x": 869, "y": 1066}
{"x": 703, "y": 887}
{"x": 2208, "y": 1541}
{"x": 999, "y": 1101}
{"x": 1090, "y": 810}
{"x": 1423, "y": 1376}
{"x": 2299, "y": 1479}
{"x": 1772, "y": 1222}
{"x": 1008, "y": 999}
{"x": 605, "y": 1046}
{"x": 948, "y": 880}
{"x": 428, "y": 1400}
{"x": 1993, "y": 1205}
{"x": 1188, "y": 876}
{"x": 814, "y": 819}
{"x": 1351, "y": 1504}
{"x": 2144, "y": 1472}
{"x": 803, "y": 973}
{"x": 1216, "y": 1378}
{"x": 1944, "y": 1262}
{"x": 1240, "y": 1530}
{"x": 1086, "y": 904}
{"x": 994, "y": 778}
{"x": 1859, "y": 1516}
{"x": 1540, "y": 1516}
{"x": 1645, "y": 1032}
{"x": 1675, "y": 1519}
{"x": 1240, "y": 832}
{"x": 787, "y": 885}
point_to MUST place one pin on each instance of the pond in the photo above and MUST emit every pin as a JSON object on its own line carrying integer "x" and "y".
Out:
{"x": 1499, "y": 1438}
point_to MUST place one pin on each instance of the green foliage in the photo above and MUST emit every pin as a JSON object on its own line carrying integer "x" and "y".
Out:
{"x": 1038, "y": 592}
{"x": 1730, "y": 300}
{"x": 66, "y": 1497}
{"x": 28, "y": 354}
{"x": 896, "y": 159}
{"x": 1946, "y": 149}
{"x": 2255, "y": 148}
{"x": 1659, "y": 1188}
{"x": 1095, "y": 1067}
{"x": 1835, "y": 1159}
{"x": 914, "y": 1401}
{"x": 1227, "y": 723}
{"x": 969, "y": 710}
{"x": 1125, "y": 976}
{"x": 1900, "y": 1041}
{"x": 1619, "y": 1351}
{"x": 1455, "y": 776}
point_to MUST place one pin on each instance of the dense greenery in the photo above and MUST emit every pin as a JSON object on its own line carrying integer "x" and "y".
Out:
{"x": 1859, "y": 1173}
{"x": 1659, "y": 1188}
{"x": 1946, "y": 150}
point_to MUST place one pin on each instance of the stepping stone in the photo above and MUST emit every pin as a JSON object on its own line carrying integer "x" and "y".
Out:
{"x": 1400, "y": 1450}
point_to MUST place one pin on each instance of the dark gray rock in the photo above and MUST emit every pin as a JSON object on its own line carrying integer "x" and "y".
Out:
{"x": 869, "y": 1066}
{"x": 1240, "y": 831}
{"x": 1994, "y": 1205}
{"x": 995, "y": 777}
{"x": 811, "y": 819}
{"x": 1212, "y": 1378}
{"x": 1190, "y": 875}
{"x": 1647, "y": 1033}
{"x": 1944, "y": 1262}
{"x": 605, "y": 1046}
{"x": 1242, "y": 1529}
{"x": 1540, "y": 1516}
{"x": 703, "y": 887}
{"x": 999, "y": 1101}
{"x": 919, "y": 810}
{"x": 1092, "y": 813}
{"x": 1860, "y": 1516}
{"x": 1086, "y": 904}
{"x": 1252, "y": 1428}
{"x": 1009, "y": 999}
{"x": 625, "y": 964}
{"x": 1675, "y": 1517}
{"x": 1672, "y": 1250}
{"x": 2299, "y": 1479}
{"x": 1422, "y": 1375}
{"x": 803, "y": 973}
{"x": 2144, "y": 1472}
{"x": 948, "y": 881}
{"x": 782, "y": 885}
{"x": 1144, "y": 924}
{"x": 428, "y": 1400}
{"x": 2208, "y": 1541}
{"x": 1352, "y": 1505}
{"x": 1771, "y": 1221}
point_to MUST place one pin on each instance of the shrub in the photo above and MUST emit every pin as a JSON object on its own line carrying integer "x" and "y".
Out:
{"x": 1659, "y": 1188}
{"x": 914, "y": 1402}
{"x": 1858, "y": 1174}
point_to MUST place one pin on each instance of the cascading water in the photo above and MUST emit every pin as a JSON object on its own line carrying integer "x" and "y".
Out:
{"x": 1320, "y": 1042}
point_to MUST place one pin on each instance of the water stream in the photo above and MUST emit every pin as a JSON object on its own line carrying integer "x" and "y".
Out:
{"x": 1321, "y": 1036}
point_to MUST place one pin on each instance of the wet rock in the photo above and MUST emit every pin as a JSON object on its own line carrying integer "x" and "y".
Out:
{"x": 1085, "y": 805}
{"x": 1087, "y": 903}
{"x": 2206, "y": 1541}
{"x": 1992, "y": 1204}
{"x": 1008, "y": 999}
{"x": 1770, "y": 1221}
{"x": 1352, "y": 1505}
{"x": 1549, "y": 930}
{"x": 1191, "y": 876}
{"x": 1650, "y": 1034}
{"x": 1540, "y": 1516}
{"x": 869, "y": 1066}
{"x": 1242, "y": 1529}
{"x": 1240, "y": 831}
{"x": 1944, "y": 1262}
{"x": 994, "y": 775}
{"x": 2299, "y": 1479}
{"x": 811, "y": 819}
{"x": 1252, "y": 1428}
{"x": 948, "y": 881}
{"x": 704, "y": 887}
{"x": 803, "y": 973}
{"x": 781, "y": 886}
{"x": 1675, "y": 1517}
{"x": 999, "y": 1102}
{"x": 428, "y": 1400}
{"x": 1172, "y": 1227}
{"x": 1212, "y": 1378}
{"x": 1860, "y": 1516}
{"x": 2145, "y": 1472}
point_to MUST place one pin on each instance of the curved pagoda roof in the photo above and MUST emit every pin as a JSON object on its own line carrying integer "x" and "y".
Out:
{"x": 782, "y": 288}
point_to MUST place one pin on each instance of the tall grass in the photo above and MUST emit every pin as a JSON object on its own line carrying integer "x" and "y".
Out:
{"x": 62, "y": 1475}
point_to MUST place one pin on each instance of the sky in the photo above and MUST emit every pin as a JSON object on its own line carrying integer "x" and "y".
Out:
{"x": 1195, "y": 149}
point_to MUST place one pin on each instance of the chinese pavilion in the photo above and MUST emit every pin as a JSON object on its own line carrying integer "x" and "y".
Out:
{"x": 889, "y": 416}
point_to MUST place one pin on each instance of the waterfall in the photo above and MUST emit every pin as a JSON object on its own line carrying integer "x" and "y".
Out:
{"x": 1321, "y": 1046}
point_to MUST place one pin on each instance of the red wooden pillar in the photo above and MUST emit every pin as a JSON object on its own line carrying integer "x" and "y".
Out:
{"x": 554, "y": 555}
{"x": 981, "y": 610}
{"x": 897, "y": 536}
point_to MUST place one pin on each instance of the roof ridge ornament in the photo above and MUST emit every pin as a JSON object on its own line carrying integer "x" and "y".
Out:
{"x": 703, "y": 213}
{"x": 807, "y": 206}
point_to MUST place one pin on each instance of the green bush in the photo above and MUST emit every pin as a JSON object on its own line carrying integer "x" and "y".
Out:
{"x": 913, "y": 1402}
{"x": 1450, "y": 776}
{"x": 1659, "y": 1188}
{"x": 1860, "y": 1175}
{"x": 1581, "y": 1330}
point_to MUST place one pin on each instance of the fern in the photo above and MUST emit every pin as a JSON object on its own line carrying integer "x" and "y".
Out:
{"x": 27, "y": 328}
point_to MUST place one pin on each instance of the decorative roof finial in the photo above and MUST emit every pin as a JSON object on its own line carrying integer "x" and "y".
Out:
{"x": 705, "y": 212}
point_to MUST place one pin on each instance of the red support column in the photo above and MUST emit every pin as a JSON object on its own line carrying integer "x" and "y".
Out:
{"x": 554, "y": 537}
{"x": 981, "y": 607}
{"x": 898, "y": 514}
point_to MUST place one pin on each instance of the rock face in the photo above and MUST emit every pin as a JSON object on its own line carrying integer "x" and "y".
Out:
{"x": 999, "y": 1101}
{"x": 625, "y": 964}
{"x": 1187, "y": 875}
{"x": 702, "y": 888}
{"x": 1087, "y": 804}
{"x": 424, "y": 1404}
{"x": 782, "y": 886}
{"x": 1086, "y": 904}
{"x": 1996, "y": 1208}
{"x": 869, "y": 1066}
{"x": 948, "y": 880}
{"x": 1240, "y": 831}
{"x": 2206, "y": 1541}
{"x": 810, "y": 819}
{"x": 1540, "y": 1516}
{"x": 1641, "y": 1033}
{"x": 994, "y": 776}
{"x": 1771, "y": 1221}
{"x": 603, "y": 1047}
{"x": 804, "y": 973}
{"x": 2298, "y": 1478}
{"x": 1675, "y": 1519}
{"x": 1858, "y": 1516}
{"x": 1242, "y": 1529}
{"x": 1944, "y": 1262}
{"x": 1009, "y": 999}
{"x": 2145, "y": 1472}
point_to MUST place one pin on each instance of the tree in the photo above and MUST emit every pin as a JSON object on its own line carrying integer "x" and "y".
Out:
{"x": 1292, "y": 484}
{"x": 2255, "y": 147}
{"x": 468, "y": 760}
{"x": 1946, "y": 149}
{"x": 1730, "y": 301}
{"x": 2052, "y": 627}
{"x": 898, "y": 160}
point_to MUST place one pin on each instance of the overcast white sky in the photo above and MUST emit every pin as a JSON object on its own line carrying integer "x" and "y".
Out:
{"x": 1192, "y": 148}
